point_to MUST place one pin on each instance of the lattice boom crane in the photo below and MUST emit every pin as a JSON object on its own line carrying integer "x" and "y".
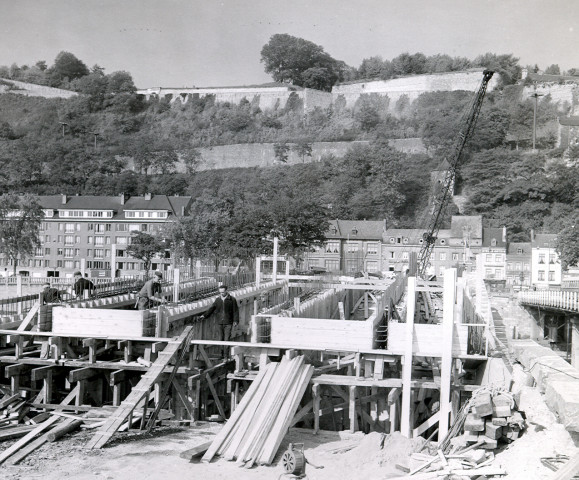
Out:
{"x": 442, "y": 200}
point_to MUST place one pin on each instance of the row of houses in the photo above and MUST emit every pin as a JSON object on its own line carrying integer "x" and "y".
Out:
{"x": 92, "y": 233}
{"x": 371, "y": 246}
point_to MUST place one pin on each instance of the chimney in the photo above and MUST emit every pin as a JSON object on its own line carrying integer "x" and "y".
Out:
{"x": 183, "y": 211}
{"x": 147, "y": 196}
{"x": 532, "y": 235}
{"x": 64, "y": 199}
{"x": 122, "y": 198}
{"x": 504, "y": 234}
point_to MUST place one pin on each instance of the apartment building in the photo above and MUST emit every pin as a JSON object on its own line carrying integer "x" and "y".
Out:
{"x": 518, "y": 272}
{"x": 91, "y": 233}
{"x": 545, "y": 263}
{"x": 351, "y": 246}
{"x": 494, "y": 253}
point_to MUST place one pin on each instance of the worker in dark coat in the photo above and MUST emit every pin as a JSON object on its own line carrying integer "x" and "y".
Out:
{"x": 49, "y": 294}
{"x": 226, "y": 314}
{"x": 82, "y": 285}
{"x": 149, "y": 295}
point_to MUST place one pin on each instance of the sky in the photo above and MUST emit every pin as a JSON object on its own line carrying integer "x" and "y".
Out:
{"x": 186, "y": 43}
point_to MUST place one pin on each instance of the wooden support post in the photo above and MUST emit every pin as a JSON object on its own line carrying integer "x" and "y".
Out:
{"x": 405, "y": 427}
{"x": 13, "y": 372}
{"x": 44, "y": 374}
{"x": 176, "y": 284}
{"x": 55, "y": 345}
{"x": 317, "y": 401}
{"x": 366, "y": 314}
{"x": 128, "y": 349}
{"x": 183, "y": 397}
{"x": 393, "y": 400}
{"x": 91, "y": 343}
{"x": 352, "y": 410}
{"x": 215, "y": 396}
{"x": 117, "y": 378}
{"x": 449, "y": 300}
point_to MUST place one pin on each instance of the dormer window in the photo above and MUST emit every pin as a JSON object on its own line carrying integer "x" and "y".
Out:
{"x": 334, "y": 230}
{"x": 442, "y": 241}
{"x": 392, "y": 240}
{"x": 354, "y": 231}
{"x": 494, "y": 242}
{"x": 405, "y": 240}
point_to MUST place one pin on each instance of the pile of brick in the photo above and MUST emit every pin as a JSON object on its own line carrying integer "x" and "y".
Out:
{"x": 493, "y": 419}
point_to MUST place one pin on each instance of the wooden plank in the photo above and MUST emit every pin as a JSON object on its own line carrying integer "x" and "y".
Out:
{"x": 38, "y": 430}
{"x": 433, "y": 420}
{"x": 215, "y": 396}
{"x": 195, "y": 451}
{"x": 568, "y": 470}
{"x": 183, "y": 396}
{"x": 449, "y": 300}
{"x": 82, "y": 374}
{"x": 29, "y": 317}
{"x": 407, "y": 366}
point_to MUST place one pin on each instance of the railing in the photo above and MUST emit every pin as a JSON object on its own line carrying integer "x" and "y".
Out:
{"x": 17, "y": 305}
{"x": 562, "y": 300}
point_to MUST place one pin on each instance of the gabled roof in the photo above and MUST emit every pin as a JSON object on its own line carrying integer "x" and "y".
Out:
{"x": 472, "y": 223}
{"x": 512, "y": 248}
{"x": 356, "y": 229}
{"x": 544, "y": 240}
{"x": 174, "y": 205}
{"x": 493, "y": 233}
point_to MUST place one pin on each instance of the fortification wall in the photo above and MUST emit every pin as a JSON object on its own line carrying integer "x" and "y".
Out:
{"x": 266, "y": 98}
{"x": 412, "y": 87}
{"x": 560, "y": 93}
{"x": 32, "y": 90}
{"x": 262, "y": 154}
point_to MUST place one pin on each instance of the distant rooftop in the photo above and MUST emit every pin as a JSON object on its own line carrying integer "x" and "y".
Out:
{"x": 356, "y": 229}
{"x": 544, "y": 240}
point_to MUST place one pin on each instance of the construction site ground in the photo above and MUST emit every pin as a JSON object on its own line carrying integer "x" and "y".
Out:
{"x": 343, "y": 455}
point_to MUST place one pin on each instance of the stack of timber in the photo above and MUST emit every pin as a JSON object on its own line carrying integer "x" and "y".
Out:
{"x": 493, "y": 419}
{"x": 258, "y": 425}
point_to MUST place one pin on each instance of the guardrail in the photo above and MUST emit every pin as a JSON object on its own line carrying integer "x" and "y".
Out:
{"x": 562, "y": 300}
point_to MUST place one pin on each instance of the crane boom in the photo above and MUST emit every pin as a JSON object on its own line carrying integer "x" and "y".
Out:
{"x": 442, "y": 200}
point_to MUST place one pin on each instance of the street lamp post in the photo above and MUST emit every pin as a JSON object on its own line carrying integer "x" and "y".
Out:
{"x": 96, "y": 134}
{"x": 64, "y": 124}
{"x": 535, "y": 95}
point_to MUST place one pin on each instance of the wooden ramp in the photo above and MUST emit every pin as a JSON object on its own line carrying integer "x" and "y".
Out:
{"x": 140, "y": 391}
{"x": 256, "y": 428}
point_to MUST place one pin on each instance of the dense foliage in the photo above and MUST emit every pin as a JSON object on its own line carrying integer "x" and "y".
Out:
{"x": 47, "y": 146}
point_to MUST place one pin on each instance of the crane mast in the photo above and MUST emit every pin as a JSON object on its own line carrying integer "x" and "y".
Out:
{"x": 442, "y": 200}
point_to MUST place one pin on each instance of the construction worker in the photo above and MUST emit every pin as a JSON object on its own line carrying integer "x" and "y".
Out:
{"x": 226, "y": 313}
{"x": 82, "y": 285}
{"x": 149, "y": 294}
{"x": 49, "y": 294}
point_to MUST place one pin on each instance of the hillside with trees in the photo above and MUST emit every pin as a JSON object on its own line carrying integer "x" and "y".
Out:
{"x": 109, "y": 140}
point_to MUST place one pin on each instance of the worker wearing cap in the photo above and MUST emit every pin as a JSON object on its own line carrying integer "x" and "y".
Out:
{"x": 49, "y": 294}
{"x": 82, "y": 285}
{"x": 149, "y": 294}
{"x": 226, "y": 314}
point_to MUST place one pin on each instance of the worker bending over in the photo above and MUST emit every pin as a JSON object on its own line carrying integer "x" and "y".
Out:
{"x": 149, "y": 294}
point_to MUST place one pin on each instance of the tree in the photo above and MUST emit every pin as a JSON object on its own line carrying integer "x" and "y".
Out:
{"x": 281, "y": 151}
{"x": 303, "y": 148}
{"x": 298, "y": 61}
{"x": 144, "y": 246}
{"x": 568, "y": 243}
{"x": 66, "y": 68}
{"x": 20, "y": 220}
{"x": 553, "y": 70}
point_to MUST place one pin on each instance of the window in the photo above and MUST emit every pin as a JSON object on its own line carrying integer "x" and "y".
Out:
{"x": 392, "y": 255}
{"x": 551, "y": 276}
{"x": 47, "y": 238}
{"x": 494, "y": 242}
{"x": 352, "y": 247}
{"x": 89, "y": 240}
{"x": 372, "y": 249}
{"x": 352, "y": 265}
{"x": 392, "y": 240}
{"x": 541, "y": 275}
{"x": 99, "y": 228}
{"x": 442, "y": 241}
{"x": 372, "y": 266}
{"x": 60, "y": 251}
{"x": 121, "y": 240}
{"x": 98, "y": 241}
{"x": 405, "y": 256}
{"x": 107, "y": 253}
{"x": 47, "y": 263}
{"x": 107, "y": 240}
{"x": 69, "y": 228}
{"x": 69, "y": 239}
{"x": 77, "y": 239}
{"x": 38, "y": 252}
{"x": 99, "y": 253}
{"x": 489, "y": 257}
{"x": 133, "y": 228}
{"x": 144, "y": 227}
{"x": 455, "y": 257}
{"x": 541, "y": 258}
{"x": 47, "y": 251}
{"x": 76, "y": 264}
{"x": 331, "y": 247}
{"x": 68, "y": 264}
{"x": 332, "y": 265}
{"x": 59, "y": 239}
{"x": 38, "y": 263}
{"x": 498, "y": 273}
{"x": 122, "y": 227}
{"x": 108, "y": 227}
{"x": 69, "y": 252}
{"x": 89, "y": 253}
{"x": 488, "y": 272}
{"x": 498, "y": 257}
{"x": 59, "y": 264}
{"x": 518, "y": 266}
{"x": 552, "y": 258}
{"x": 121, "y": 253}
{"x": 526, "y": 267}
{"x": 77, "y": 252}
{"x": 405, "y": 240}
{"x": 442, "y": 256}
{"x": 120, "y": 265}
{"x": 519, "y": 251}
